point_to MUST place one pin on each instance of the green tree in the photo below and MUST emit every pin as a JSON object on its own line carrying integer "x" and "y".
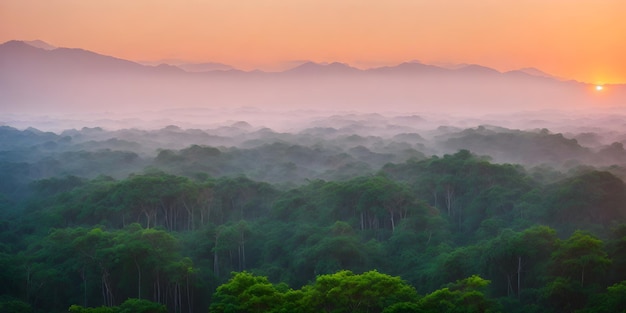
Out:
{"x": 348, "y": 292}
{"x": 613, "y": 300}
{"x": 464, "y": 296}
{"x": 244, "y": 293}
{"x": 578, "y": 265}
{"x": 581, "y": 257}
{"x": 11, "y": 305}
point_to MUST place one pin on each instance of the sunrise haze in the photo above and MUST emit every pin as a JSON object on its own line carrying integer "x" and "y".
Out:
{"x": 580, "y": 40}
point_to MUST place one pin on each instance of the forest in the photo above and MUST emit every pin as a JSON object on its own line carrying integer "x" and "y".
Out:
{"x": 353, "y": 213}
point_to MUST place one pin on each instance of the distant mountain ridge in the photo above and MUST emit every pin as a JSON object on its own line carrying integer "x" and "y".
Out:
{"x": 41, "y": 44}
{"x": 61, "y": 79}
{"x": 305, "y": 67}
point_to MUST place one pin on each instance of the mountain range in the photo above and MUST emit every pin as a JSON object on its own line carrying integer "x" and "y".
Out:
{"x": 38, "y": 77}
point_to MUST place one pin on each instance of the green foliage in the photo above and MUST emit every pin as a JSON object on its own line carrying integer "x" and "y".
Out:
{"x": 339, "y": 292}
{"x": 128, "y": 306}
{"x": 591, "y": 197}
{"x": 578, "y": 266}
{"x": 367, "y": 292}
{"x": 141, "y": 306}
{"x": 171, "y": 232}
{"x": 581, "y": 257}
{"x": 245, "y": 292}
{"x": 613, "y": 300}
{"x": 465, "y": 295}
{"x": 11, "y": 305}
{"x": 103, "y": 309}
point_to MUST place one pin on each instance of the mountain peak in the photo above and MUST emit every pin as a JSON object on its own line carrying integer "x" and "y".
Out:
{"x": 319, "y": 68}
{"x": 409, "y": 68}
{"x": 477, "y": 69}
{"x": 535, "y": 72}
{"x": 15, "y": 44}
{"x": 18, "y": 48}
{"x": 40, "y": 44}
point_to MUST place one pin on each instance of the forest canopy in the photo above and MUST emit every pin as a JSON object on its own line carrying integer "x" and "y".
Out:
{"x": 245, "y": 219}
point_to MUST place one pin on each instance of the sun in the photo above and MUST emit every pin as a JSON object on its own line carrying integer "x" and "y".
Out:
{"x": 599, "y": 87}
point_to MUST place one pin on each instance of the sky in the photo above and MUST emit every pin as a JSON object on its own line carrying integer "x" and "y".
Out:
{"x": 583, "y": 40}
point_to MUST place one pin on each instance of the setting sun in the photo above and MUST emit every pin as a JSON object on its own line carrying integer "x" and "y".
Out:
{"x": 599, "y": 87}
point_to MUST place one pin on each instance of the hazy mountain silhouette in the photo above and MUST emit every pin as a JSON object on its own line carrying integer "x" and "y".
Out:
{"x": 410, "y": 68}
{"x": 40, "y": 44}
{"x": 205, "y": 67}
{"x": 475, "y": 69}
{"x": 67, "y": 80}
{"x": 537, "y": 72}
{"x": 191, "y": 66}
{"x": 312, "y": 68}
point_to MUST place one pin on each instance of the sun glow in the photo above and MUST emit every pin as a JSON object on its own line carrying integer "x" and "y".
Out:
{"x": 599, "y": 87}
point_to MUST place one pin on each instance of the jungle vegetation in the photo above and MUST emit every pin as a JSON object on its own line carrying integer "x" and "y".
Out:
{"x": 322, "y": 220}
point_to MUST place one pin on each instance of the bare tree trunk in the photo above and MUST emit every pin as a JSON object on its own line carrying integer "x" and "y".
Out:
{"x": 188, "y": 297}
{"x": 239, "y": 257}
{"x": 243, "y": 250}
{"x": 84, "y": 277}
{"x": 189, "y": 215}
{"x": 362, "y": 225}
{"x": 519, "y": 271}
{"x": 107, "y": 292}
{"x": 509, "y": 286}
{"x": 582, "y": 277}
{"x": 216, "y": 268}
{"x": 449, "y": 196}
{"x": 179, "y": 297}
{"x": 138, "y": 279}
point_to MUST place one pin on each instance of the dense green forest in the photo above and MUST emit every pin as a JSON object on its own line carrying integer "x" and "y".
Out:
{"x": 244, "y": 219}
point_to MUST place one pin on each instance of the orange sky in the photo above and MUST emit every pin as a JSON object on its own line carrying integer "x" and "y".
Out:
{"x": 578, "y": 39}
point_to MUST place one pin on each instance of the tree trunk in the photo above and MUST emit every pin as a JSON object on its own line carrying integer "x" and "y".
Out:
{"x": 216, "y": 269}
{"x": 188, "y": 297}
{"x": 519, "y": 272}
{"x": 449, "y": 196}
{"x": 582, "y": 277}
{"x": 243, "y": 250}
{"x": 362, "y": 225}
{"x": 84, "y": 277}
{"x": 138, "y": 280}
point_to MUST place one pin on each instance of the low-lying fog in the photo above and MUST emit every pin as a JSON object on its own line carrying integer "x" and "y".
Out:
{"x": 296, "y": 146}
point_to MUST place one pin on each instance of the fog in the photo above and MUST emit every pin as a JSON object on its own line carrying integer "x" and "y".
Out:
{"x": 293, "y": 147}
{"x": 316, "y": 121}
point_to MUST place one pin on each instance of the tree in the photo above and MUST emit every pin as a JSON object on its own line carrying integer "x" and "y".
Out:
{"x": 577, "y": 265}
{"x": 245, "y": 293}
{"x": 464, "y": 296}
{"x": 581, "y": 257}
{"x": 10, "y": 305}
{"x": 131, "y": 305}
{"x": 613, "y": 300}
{"x": 345, "y": 291}
{"x": 141, "y": 306}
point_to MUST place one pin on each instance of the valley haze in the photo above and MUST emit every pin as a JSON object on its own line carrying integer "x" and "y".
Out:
{"x": 60, "y": 89}
{"x": 39, "y": 79}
